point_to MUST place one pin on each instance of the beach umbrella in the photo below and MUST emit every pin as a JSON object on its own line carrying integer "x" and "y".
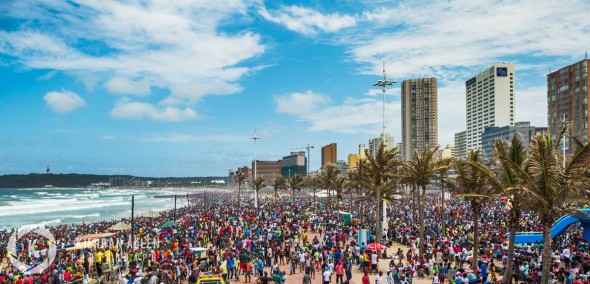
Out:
{"x": 168, "y": 224}
{"x": 150, "y": 214}
{"x": 120, "y": 227}
{"x": 375, "y": 246}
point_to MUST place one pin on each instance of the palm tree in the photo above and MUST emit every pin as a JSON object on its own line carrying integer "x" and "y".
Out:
{"x": 509, "y": 159}
{"x": 329, "y": 174}
{"x": 380, "y": 173}
{"x": 340, "y": 185}
{"x": 295, "y": 183}
{"x": 241, "y": 179}
{"x": 549, "y": 184}
{"x": 257, "y": 184}
{"x": 473, "y": 186}
{"x": 278, "y": 184}
{"x": 421, "y": 171}
{"x": 357, "y": 179}
{"x": 313, "y": 182}
{"x": 443, "y": 169}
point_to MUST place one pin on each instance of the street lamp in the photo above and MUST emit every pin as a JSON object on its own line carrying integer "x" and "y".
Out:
{"x": 308, "y": 157}
{"x": 255, "y": 138}
{"x": 383, "y": 84}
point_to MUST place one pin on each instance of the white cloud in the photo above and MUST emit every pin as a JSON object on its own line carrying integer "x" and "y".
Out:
{"x": 531, "y": 105}
{"x": 135, "y": 46}
{"x": 462, "y": 37}
{"x": 126, "y": 86}
{"x": 63, "y": 102}
{"x": 307, "y": 21}
{"x": 140, "y": 110}
{"x": 469, "y": 34}
{"x": 300, "y": 103}
{"x": 353, "y": 115}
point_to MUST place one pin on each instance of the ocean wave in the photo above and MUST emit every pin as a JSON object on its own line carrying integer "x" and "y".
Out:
{"x": 82, "y": 216}
{"x": 42, "y": 224}
{"x": 41, "y": 206}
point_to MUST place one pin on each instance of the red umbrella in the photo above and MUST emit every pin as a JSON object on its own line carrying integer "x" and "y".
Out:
{"x": 375, "y": 246}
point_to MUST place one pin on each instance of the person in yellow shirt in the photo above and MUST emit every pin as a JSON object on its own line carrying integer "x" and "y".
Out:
{"x": 223, "y": 270}
{"x": 108, "y": 255}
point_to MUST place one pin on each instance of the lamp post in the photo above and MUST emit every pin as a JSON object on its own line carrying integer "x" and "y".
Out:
{"x": 308, "y": 158}
{"x": 383, "y": 84}
{"x": 564, "y": 141}
{"x": 255, "y": 138}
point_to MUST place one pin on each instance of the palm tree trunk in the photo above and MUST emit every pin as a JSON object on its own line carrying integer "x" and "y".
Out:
{"x": 442, "y": 209}
{"x": 546, "y": 268}
{"x": 422, "y": 204}
{"x": 314, "y": 198}
{"x": 256, "y": 192}
{"x": 413, "y": 204}
{"x": 377, "y": 216}
{"x": 476, "y": 215}
{"x": 510, "y": 264}
{"x": 239, "y": 192}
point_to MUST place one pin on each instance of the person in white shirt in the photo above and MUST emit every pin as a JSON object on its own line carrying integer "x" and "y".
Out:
{"x": 326, "y": 276}
{"x": 379, "y": 278}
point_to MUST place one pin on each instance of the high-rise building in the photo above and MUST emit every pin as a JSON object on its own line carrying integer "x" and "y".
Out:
{"x": 268, "y": 169}
{"x": 446, "y": 152}
{"x": 567, "y": 99}
{"x": 362, "y": 152}
{"x": 329, "y": 154}
{"x": 523, "y": 129}
{"x": 375, "y": 143}
{"x": 353, "y": 162}
{"x": 293, "y": 164}
{"x": 419, "y": 115}
{"x": 248, "y": 171}
{"x": 460, "y": 145}
{"x": 342, "y": 167}
{"x": 490, "y": 101}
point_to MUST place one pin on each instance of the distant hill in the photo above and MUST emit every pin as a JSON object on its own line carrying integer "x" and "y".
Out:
{"x": 85, "y": 180}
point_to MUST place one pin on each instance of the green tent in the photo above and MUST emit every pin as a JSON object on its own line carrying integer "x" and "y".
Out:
{"x": 345, "y": 217}
{"x": 168, "y": 224}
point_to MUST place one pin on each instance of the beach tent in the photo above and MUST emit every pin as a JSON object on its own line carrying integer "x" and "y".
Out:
{"x": 82, "y": 245}
{"x": 150, "y": 214}
{"x": 168, "y": 224}
{"x": 198, "y": 249}
{"x": 375, "y": 246}
{"x": 121, "y": 226}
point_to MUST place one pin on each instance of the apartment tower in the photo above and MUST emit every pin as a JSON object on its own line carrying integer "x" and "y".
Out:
{"x": 490, "y": 101}
{"x": 419, "y": 115}
{"x": 329, "y": 154}
{"x": 567, "y": 102}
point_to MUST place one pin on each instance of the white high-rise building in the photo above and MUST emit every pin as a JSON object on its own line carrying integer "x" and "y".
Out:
{"x": 490, "y": 101}
{"x": 375, "y": 143}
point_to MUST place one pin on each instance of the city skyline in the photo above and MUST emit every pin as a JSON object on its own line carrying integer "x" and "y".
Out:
{"x": 177, "y": 89}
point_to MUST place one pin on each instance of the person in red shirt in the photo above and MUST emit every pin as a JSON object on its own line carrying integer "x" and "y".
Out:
{"x": 339, "y": 272}
{"x": 29, "y": 279}
{"x": 365, "y": 279}
{"x": 67, "y": 276}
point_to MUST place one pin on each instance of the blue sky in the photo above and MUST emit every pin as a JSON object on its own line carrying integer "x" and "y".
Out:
{"x": 176, "y": 88}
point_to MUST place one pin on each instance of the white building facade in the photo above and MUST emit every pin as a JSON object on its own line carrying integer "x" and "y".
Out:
{"x": 490, "y": 101}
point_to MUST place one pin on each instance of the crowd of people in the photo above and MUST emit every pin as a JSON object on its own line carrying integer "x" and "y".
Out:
{"x": 292, "y": 236}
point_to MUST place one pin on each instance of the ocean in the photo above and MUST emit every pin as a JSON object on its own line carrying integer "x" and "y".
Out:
{"x": 39, "y": 207}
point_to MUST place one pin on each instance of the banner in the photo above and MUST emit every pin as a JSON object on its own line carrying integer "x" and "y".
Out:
{"x": 363, "y": 237}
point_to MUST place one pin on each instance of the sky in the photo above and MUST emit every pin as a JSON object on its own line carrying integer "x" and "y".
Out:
{"x": 178, "y": 88}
